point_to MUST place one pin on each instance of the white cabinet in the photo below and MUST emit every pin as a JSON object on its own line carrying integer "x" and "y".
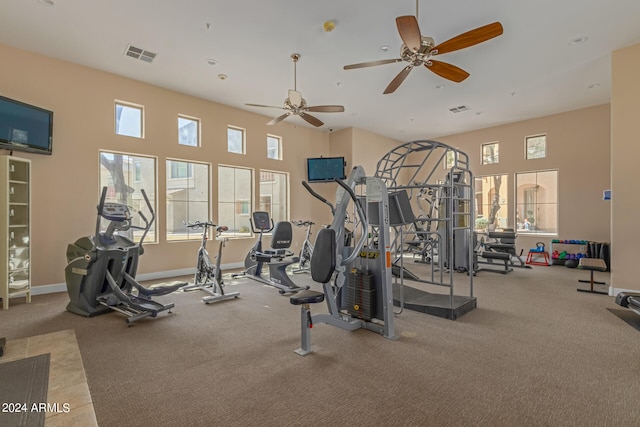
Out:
{"x": 15, "y": 230}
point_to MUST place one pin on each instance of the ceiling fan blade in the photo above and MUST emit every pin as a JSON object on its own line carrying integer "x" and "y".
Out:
{"x": 470, "y": 38}
{"x": 397, "y": 81}
{"x": 409, "y": 31}
{"x": 266, "y": 106}
{"x": 371, "y": 63}
{"x": 311, "y": 119}
{"x": 325, "y": 108}
{"x": 295, "y": 98}
{"x": 448, "y": 71}
{"x": 278, "y": 119}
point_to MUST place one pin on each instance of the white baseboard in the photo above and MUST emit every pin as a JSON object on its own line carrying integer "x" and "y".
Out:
{"x": 62, "y": 287}
{"x": 615, "y": 291}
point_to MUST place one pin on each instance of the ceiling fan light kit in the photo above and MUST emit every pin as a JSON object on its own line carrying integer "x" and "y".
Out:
{"x": 296, "y": 105}
{"x": 418, "y": 50}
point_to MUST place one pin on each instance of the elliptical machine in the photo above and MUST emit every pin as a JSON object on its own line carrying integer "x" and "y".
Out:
{"x": 101, "y": 269}
{"x": 208, "y": 276}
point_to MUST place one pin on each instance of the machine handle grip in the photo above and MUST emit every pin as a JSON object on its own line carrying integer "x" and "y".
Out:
{"x": 319, "y": 197}
{"x": 103, "y": 197}
{"x": 147, "y": 223}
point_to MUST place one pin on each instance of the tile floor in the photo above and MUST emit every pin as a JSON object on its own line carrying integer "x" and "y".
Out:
{"x": 67, "y": 380}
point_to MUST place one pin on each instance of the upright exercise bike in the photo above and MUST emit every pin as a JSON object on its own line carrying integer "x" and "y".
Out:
{"x": 304, "y": 259}
{"x": 208, "y": 276}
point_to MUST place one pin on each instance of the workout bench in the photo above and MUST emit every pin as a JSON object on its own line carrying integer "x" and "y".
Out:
{"x": 592, "y": 264}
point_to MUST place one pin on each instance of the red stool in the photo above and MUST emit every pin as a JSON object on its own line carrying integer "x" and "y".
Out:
{"x": 538, "y": 258}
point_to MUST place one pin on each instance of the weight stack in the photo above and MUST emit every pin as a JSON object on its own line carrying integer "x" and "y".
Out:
{"x": 361, "y": 295}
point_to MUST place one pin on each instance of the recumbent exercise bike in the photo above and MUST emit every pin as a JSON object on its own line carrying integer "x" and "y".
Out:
{"x": 278, "y": 257}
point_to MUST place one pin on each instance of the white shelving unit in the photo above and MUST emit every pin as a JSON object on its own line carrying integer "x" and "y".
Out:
{"x": 15, "y": 229}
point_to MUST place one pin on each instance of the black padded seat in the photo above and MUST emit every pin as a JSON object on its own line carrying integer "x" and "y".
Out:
{"x": 496, "y": 255}
{"x": 306, "y": 297}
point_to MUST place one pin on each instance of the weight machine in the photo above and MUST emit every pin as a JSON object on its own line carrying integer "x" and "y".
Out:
{"x": 356, "y": 279}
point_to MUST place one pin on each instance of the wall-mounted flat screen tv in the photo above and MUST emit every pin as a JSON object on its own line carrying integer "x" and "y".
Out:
{"x": 324, "y": 169}
{"x": 25, "y": 127}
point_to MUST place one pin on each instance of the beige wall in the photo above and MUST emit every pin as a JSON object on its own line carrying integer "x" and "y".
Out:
{"x": 578, "y": 146}
{"x": 625, "y": 171}
{"x": 65, "y": 185}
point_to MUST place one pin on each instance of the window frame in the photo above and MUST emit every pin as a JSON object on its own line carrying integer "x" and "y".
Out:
{"x": 484, "y": 158}
{"x": 153, "y": 235}
{"x": 449, "y": 160}
{"x": 278, "y": 140}
{"x": 237, "y": 201}
{"x": 526, "y": 195}
{"x": 198, "y": 130}
{"x": 282, "y": 203}
{"x": 133, "y": 106}
{"x": 504, "y": 193}
{"x": 191, "y": 177}
{"x": 243, "y": 142}
{"x": 526, "y": 146}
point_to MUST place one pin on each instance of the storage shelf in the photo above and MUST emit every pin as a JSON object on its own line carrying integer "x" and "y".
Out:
{"x": 15, "y": 200}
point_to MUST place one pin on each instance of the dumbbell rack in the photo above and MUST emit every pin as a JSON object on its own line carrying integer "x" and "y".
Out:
{"x": 570, "y": 248}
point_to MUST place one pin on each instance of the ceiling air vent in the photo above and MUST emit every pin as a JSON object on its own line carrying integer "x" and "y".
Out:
{"x": 141, "y": 54}
{"x": 459, "y": 109}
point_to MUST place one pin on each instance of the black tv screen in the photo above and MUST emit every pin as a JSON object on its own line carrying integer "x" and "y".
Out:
{"x": 25, "y": 127}
{"x": 323, "y": 169}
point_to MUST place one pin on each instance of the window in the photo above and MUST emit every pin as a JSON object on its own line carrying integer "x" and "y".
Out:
{"x": 274, "y": 147}
{"x": 188, "y": 131}
{"x": 536, "y": 147}
{"x": 274, "y": 194}
{"x": 449, "y": 159}
{"x": 490, "y": 153}
{"x": 235, "y": 199}
{"x": 129, "y": 120}
{"x": 187, "y": 198}
{"x": 235, "y": 140}
{"x": 180, "y": 170}
{"x": 125, "y": 175}
{"x": 537, "y": 202}
{"x": 492, "y": 201}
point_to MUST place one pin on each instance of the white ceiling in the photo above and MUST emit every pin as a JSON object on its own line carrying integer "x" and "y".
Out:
{"x": 529, "y": 71}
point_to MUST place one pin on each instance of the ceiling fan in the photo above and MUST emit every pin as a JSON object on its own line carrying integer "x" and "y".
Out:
{"x": 418, "y": 50}
{"x": 296, "y": 105}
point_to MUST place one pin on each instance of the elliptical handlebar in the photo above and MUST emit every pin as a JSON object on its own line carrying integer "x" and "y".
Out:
{"x": 120, "y": 216}
{"x": 147, "y": 224}
{"x": 319, "y": 197}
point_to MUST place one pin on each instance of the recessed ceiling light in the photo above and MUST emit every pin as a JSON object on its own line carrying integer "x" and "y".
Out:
{"x": 384, "y": 48}
{"x": 593, "y": 86}
{"x": 222, "y": 76}
{"x": 46, "y": 2}
{"x": 578, "y": 40}
{"x": 211, "y": 61}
